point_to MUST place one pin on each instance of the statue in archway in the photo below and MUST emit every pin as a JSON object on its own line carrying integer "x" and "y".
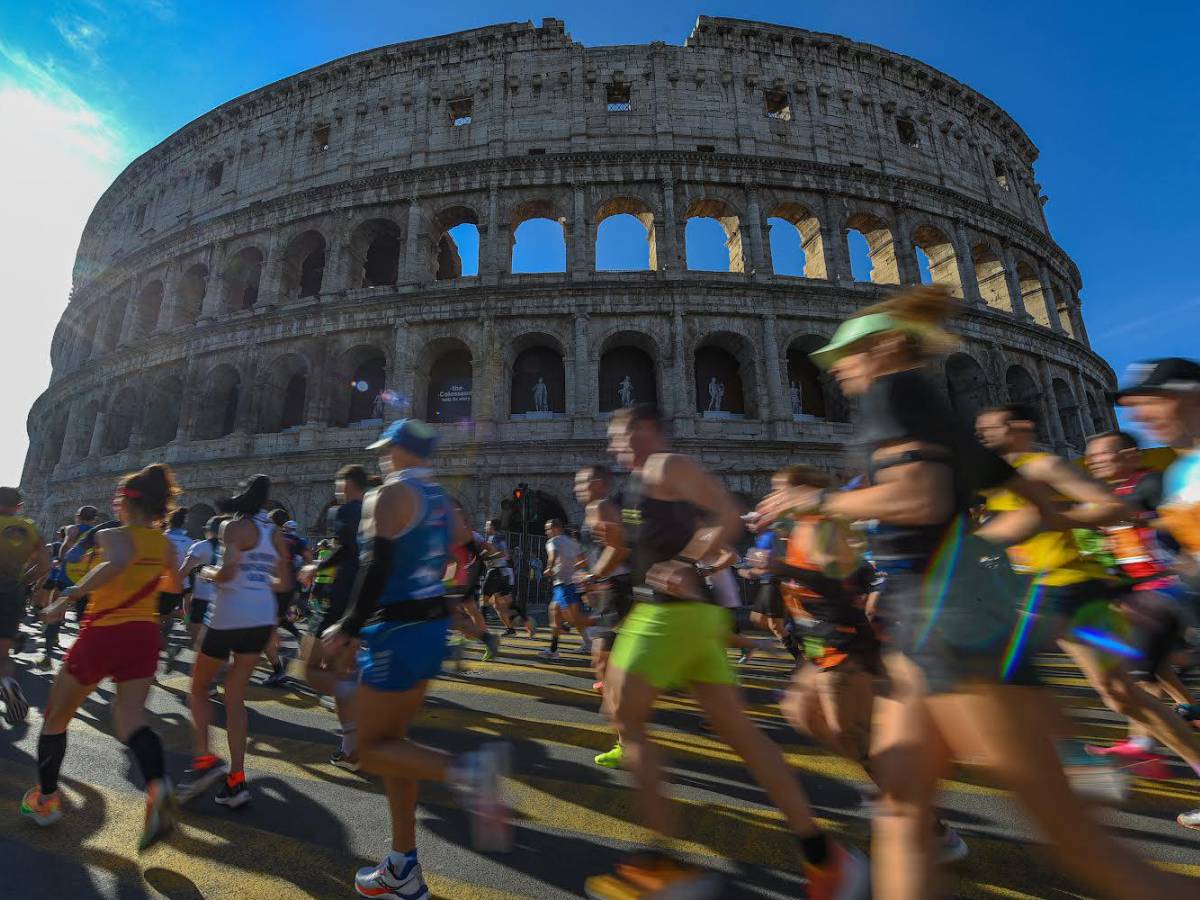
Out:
{"x": 716, "y": 394}
{"x": 625, "y": 391}
{"x": 797, "y": 395}
{"x": 541, "y": 396}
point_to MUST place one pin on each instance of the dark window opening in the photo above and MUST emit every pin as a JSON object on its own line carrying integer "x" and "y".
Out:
{"x": 626, "y": 379}
{"x": 312, "y": 273}
{"x": 293, "y": 402}
{"x": 806, "y": 389}
{"x": 907, "y": 132}
{"x": 778, "y": 106}
{"x": 382, "y": 265}
{"x": 718, "y": 383}
{"x": 705, "y": 148}
{"x": 320, "y": 138}
{"x": 449, "y": 396}
{"x": 1001, "y": 174}
{"x": 214, "y": 175}
{"x": 619, "y": 97}
{"x": 139, "y": 218}
{"x": 365, "y": 389}
{"x": 538, "y": 383}
{"x": 537, "y": 151}
{"x": 460, "y": 111}
{"x": 229, "y": 413}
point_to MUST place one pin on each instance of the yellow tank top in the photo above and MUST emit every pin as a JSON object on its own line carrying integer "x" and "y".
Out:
{"x": 1054, "y": 558}
{"x": 133, "y": 595}
{"x": 18, "y": 540}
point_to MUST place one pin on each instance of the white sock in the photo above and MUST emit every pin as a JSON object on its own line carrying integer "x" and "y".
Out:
{"x": 349, "y": 740}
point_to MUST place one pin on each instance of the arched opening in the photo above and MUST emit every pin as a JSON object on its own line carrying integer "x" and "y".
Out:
{"x": 529, "y": 516}
{"x": 147, "y": 310}
{"x": 375, "y": 248}
{"x": 1024, "y": 390}
{"x": 1068, "y": 410}
{"x": 878, "y": 264}
{"x": 53, "y": 447}
{"x": 940, "y": 265}
{"x": 449, "y": 386}
{"x": 304, "y": 265}
{"x": 283, "y": 394}
{"x": 191, "y": 290}
{"x": 114, "y": 322}
{"x": 217, "y": 416}
{"x": 625, "y": 239}
{"x": 723, "y": 368}
{"x": 538, "y": 384}
{"x": 242, "y": 278}
{"x": 197, "y": 515}
{"x": 992, "y": 279}
{"x": 457, "y": 245}
{"x": 967, "y": 386}
{"x": 627, "y": 377}
{"x": 713, "y": 238}
{"x": 119, "y": 423}
{"x": 1096, "y": 413}
{"x": 366, "y": 388}
{"x": 539, "y": 239}
{"x": 812, "y": 393}
{"x": 81, "y": 443}
{"x": 294, "y": 397}
{"x": 1031, "y": 293}
{"x": 161, "y": 422}
{"x": 797, "y": 247}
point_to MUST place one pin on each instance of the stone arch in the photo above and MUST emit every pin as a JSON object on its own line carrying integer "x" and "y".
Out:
{"x": 811, "y": 392}
{"x": 939, "y": 251}
{"x": 357, "y": 383}
{"x": 1096, "y": 414}
{"x": 1068, "y": 411}
{"x": 83, "y": 427}
{"x": 193, "y": 286}
{"x": 114, "y": 324}
{"x": 216, "y": 416}
{"x": 991, "y": 276}
{"x": 374, "y": 250}
{"x": 243, "y": 277}
{"x": 448, "y": 262}
{"x": 967, "y": 386}
{"x": 163, "y": 401}
{"x": 730, "y": 220}
{"x": 1021, "y": 387}
{"x": 303, "y": 273}
{"x": 124, "y": 413}
{"x": 444, "y": 387}
{"x": 52, "y": 444}
{"x": 628, "y": 370}
{"x": 283, "y": 393}
{"x": 537, "y": 362}
{"x": 880, "y": 246}
{"x": 147, "y": 310}
{"x": 1032, "y": 296}
{"x": 724, "y": 375}
{"x": 545, "y": 210}
{"x": 606, "y": 218}
{"x": 801, "y": 220}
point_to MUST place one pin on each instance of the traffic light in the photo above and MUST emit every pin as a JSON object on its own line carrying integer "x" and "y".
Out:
{"x": 519, "y": 492}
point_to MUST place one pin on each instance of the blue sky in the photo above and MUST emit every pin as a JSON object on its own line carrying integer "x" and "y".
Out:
{"x": 1107, "y": 92}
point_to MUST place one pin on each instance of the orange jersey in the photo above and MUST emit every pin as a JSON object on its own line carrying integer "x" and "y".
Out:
{"x": 133, "y": 595}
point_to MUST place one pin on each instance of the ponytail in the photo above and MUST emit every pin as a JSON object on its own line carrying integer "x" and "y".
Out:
{"x": 152, "y": 490}
{"x": 252, "y": 497}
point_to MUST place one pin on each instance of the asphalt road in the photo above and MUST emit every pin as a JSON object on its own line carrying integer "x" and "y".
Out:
{"x": 312, "y": 825}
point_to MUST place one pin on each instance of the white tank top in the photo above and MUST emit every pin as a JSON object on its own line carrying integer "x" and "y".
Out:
{"x": 201, "y": 552}
{"x": 247, "y": 600}
{"x": 182, "y": 541}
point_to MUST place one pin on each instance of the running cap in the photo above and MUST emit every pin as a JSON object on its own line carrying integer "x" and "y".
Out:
{"x": 1172, "y": 375}
{"x": 412, "y": 435}
{"x": 290, "y": 525}
{"x": 854, "y": 330}
{"x": 213, "y": 524}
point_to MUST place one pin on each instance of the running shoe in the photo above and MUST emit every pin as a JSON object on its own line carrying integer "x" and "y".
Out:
{"x": 1126, "y": 749}
{"x": 44, "y": 663}
{"x": 1094, "y": 776}
{"x": 846, "y": 875}
{"x": 200, "y": 777}
{"x": 233, "y": 795}
{"x": 478, "y": 777}
{"x": 491, "y": 646}
{"x": 611, "y": 759}
{"x": 654, "y": 874}
{"x": 1190, "y": 819}
{"x": 1134, "y": 758}
{"x": 383, "y": 881}
{"x": 549, "y": 654}
{"x": 509, "y": 632}
{"x": 743, "y": 657}
{"x": 161, "y": 813}
{"x": 951, "y": 847}
{"x": 344, "y": 761}
{"x": 16, "y": 707}
{"x": 44, "y": 809}
{"x": 1188, "y": 711}
{"x": 598, "y": 687}
{"x": 275, "y": 679}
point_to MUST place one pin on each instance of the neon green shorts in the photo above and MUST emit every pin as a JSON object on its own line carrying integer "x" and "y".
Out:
{"x": 672, "y": 645}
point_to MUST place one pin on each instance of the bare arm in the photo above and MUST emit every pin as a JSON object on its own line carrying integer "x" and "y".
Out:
{"x": 40, "y": 566}
{"x": 1095, "y": 503}
{"x": 172, "y": 583}
{"x": 118, "y": 556}
{"x": 916, "y": 493}
{"x": 602, "y": 517}
{"x": 283, "y": 563}
{"x": 232, "y": 534}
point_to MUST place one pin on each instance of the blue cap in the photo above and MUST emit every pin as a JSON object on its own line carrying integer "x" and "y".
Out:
{"x": 412, "y": 435}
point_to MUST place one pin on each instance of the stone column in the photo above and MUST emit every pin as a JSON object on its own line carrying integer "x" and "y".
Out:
{"x": 404, "y": 373}
{"x": 483, "y": 376}
{"x": 1082, "y": 404}
{"x": 490, "y": 264}
{"x": 1014, "y": 285}
{"x": 128, "y": 325}
{"x": 96, "y": 443}
{"x": 684, "y": 412}
{"x": 193, "y": 393}
{"x": 966, "y": 267}
{"x": 670, "y": 255}
{"x": 581, "y": 243}
{"x": 316, "y": 405}
{"x": 270, "y": 285}
{"x": 1075, "y": 315}
{"x": 833, "y": 242}
{"x": 583, "y": 409}
{"x": 777, "y": 406}
{"x": 214, "y": 291}
{"x": 1050, "y": 299}
{"x": 906, "y": 255}
{"x": 249, "y": 393}
{"x": 415, "y": 268}
{"x": 168, "y": 316}
{"x": 759, "y": 260}
{"x": 1050, "y": 408}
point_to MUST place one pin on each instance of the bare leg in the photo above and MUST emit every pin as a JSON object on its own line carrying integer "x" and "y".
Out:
{"x": 66, "y": 696}
{"x": 204, "y": 669}
{"x": 631, "y": 701}
{"x": 236, "y": 725}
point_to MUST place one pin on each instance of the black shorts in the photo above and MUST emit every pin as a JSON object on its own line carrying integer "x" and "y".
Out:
{"x": 497, "y": 582}
{"x": 768, "y": 601}
{"x": 199, "y": 609}
{"x": 1081, "y": 601}
{"x": 1155, "y": 627}
{"x": 283, "y": 602}
{"x": 12, "y": 609}
{"x": 332, "y": 615}
{"x": 168, "y": 603}
{"x": 611, "y": 604}
{"x": 219, "y": 643}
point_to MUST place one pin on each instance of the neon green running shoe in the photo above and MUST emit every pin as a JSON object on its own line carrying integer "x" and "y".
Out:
{"x": 611, "y": 759}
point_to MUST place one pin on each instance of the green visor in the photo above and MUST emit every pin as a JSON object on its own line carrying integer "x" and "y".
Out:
{"x": 851, "y": 332}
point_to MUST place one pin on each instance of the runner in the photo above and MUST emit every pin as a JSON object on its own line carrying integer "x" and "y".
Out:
{"x": 240, "y": 622}
{"x": 55, "y": 581}
{"x": 23, "y": 558}
{"x": 464, "y": 568}
{"x": 297, "y": 556}
{"x": 950, "y": 613}
{"x": 118, "y": 639}
{"x": 498, "y": 579}
{"x": 170, "y": 603}
{"x": 607, "y": 584}
{"x": 401, "y": 617}
{"x": 562, "y": 561}
{"x": 200, "y": 554}
{"x": 675, "y": 637}
{"x": 1163, "y": 396}
{"x": 78, "y": 552}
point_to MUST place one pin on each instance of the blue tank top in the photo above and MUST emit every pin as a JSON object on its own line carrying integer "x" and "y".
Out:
{"x": 419, "y": 554}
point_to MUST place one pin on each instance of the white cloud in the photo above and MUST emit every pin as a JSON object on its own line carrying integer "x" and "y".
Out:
{"x": 80, "y": 35}
{"x": 57, "y": 156}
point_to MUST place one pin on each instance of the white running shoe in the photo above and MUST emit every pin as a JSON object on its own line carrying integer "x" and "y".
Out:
{"x": 951, "y": 847}
{"x": 16, "y": 707}
{"x": 383, "y": 881}
{"x": 549, "y": 654}
{"x": 478, "y": 776}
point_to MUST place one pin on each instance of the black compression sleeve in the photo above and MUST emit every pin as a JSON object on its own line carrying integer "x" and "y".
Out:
{"x": 334, "y": 558}
{"x": 372, "y": 576}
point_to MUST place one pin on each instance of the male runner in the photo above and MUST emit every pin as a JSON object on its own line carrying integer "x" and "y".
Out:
{"x": 55, "y": 581}
{"x": 675, "y": 513}
{"x": 169, "y": 603}
{"x": 77, "y": 562}
{"x": 562, "y": 559}
{"x": 23, "y": 558}
{"x": 298, "y": 557}
{"x": 1164, "y": 397}
{"x": 199, "y": 554}
{"x": 400, "y": 620}
{"x": 497, "y": 589}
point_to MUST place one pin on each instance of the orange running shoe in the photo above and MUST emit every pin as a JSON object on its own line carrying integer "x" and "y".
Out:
{"x": 846, "y": 875}
{"x": 45, "y": 809}
{"x": 650, "y": 874}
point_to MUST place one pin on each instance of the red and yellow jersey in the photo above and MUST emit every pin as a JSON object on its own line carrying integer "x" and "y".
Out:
{"x": 133, "y": 595}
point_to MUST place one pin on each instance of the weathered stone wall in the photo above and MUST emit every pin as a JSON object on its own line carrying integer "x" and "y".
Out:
{"x": 191, "y": 275}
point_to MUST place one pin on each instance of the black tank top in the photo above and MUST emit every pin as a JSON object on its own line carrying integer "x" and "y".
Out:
{"x": 658, "y": 530}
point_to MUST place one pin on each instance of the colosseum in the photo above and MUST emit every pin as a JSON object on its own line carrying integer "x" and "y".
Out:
{"x": 264, "y": 287}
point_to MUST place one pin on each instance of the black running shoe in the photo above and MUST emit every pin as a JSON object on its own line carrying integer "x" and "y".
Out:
{"x": 233, "y": 797}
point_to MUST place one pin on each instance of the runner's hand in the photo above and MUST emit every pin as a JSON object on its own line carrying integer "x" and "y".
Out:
{"x": 778, "y": 504}
{"x": 675, "y": 579}
{"x": 336, "y": 644}
{"x": 306, "y": 575}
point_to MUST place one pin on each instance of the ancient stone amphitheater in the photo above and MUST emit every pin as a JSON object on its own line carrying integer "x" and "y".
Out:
{"x": 270, "y": 282}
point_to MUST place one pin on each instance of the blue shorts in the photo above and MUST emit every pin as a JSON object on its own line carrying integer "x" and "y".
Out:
{"x": 565, "y": 595}
{"x": 397, "y": 656}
